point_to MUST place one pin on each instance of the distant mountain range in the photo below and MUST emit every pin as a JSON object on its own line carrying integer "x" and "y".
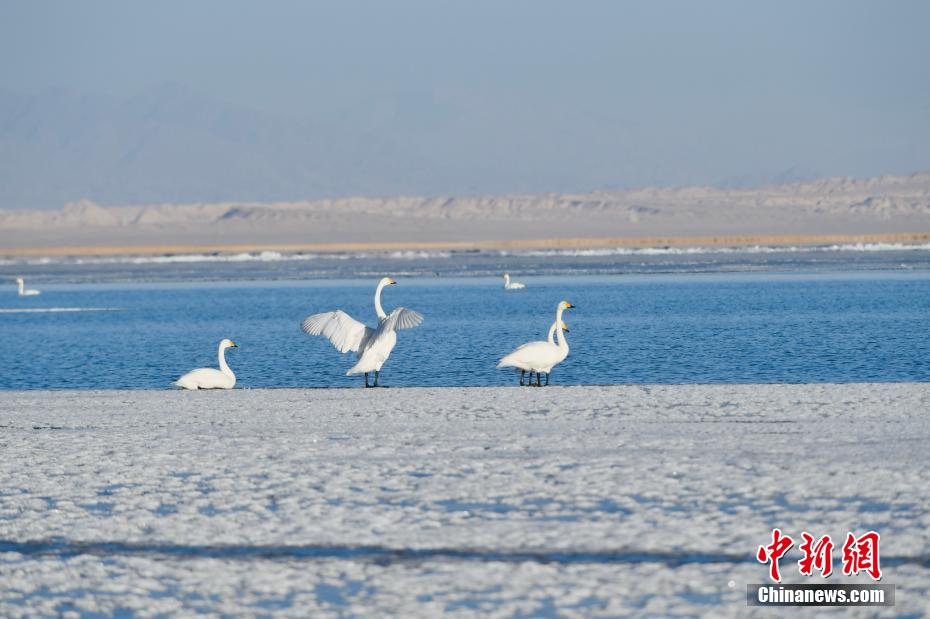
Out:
{"x": 832, "y": 206}
{"x": 172, "y": 144}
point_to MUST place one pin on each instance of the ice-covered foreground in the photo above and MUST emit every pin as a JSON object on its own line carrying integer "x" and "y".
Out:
{"x": 583, "y": 501}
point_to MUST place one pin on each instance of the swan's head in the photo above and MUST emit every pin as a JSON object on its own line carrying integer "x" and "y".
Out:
{"x": 19, "y": 280}
{"x": 228, "y": 344}
{"x": 564, "y": 305}
{"x": 386, "y": 281}
{"x": 506, "y": 275}
{"x": 564, "y": 327}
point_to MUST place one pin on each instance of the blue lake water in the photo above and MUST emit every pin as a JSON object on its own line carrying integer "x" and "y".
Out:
{"x": 690, "y": 325}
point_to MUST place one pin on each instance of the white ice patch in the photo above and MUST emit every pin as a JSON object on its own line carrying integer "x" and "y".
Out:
{"x": 56, "y": 310}
{"x": 755, "y": 249}
{"x": 572, "y": 501}
{"x": 264, "y": 256}
{"x": 274, "y": 256}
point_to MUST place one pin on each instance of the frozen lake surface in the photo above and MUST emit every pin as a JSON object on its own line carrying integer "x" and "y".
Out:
{"x": 577, "y": 501}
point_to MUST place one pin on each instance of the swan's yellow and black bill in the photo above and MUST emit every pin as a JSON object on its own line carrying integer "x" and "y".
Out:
{"x": 391, "y": 281}
{"x": 232, "y": 344}
{"x": 564, "y": 327}
{"x": 569, "y": 305}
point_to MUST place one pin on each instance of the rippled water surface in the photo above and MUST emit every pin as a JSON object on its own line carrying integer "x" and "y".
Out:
{"x": 628, "y": 328}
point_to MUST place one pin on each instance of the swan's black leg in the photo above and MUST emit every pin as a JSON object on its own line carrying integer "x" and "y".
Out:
{"x": 538, "y": 380}
{"x": 547, "y": 379}
{"x": 366, "y": 380}
{"x": 529, "y": 383}
{"x": 522, "y": 373}
{"x": 377, "y": 373}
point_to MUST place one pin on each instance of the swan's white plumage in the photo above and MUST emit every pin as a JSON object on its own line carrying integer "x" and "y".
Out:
{"x": 210, "y": 378}
{"x": 373, "y": 346}
{"x": 509, "y": 285}
{"x": 23, "y": 291}
{"x": 205, "y": 378}
{"x": 342, "y": 330}
{"x": 540, "y": 356}
{"x": 402, "y": 318}
{"x": 551, "y": 336}
{"x": 378, "y": 346}
{"x": 534, "y": 357}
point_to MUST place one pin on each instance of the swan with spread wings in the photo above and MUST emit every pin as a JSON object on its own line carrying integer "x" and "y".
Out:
{"x": 372, "y": 345}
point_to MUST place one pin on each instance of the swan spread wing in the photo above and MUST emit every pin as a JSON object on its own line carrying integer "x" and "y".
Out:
{"x": 378, "y": 346}
{"x": 401, "y": 318}
{"x": 343, "y": 331}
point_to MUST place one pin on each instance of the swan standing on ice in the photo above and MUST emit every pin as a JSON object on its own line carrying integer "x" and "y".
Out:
{"x": 209, "y": 378}
{"x": 509, "y": 285}
{"x": 540, "y": 357}
{"x": 25, "y": 292}
{"x": 551, "y": 339}
{"x": 373, "y": 346}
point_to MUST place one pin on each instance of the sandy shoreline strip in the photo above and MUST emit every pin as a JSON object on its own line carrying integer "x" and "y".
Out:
{"x": 725, "y": 240}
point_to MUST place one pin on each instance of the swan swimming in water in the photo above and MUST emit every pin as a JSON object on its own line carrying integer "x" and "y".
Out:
{"x": 25, "y": 292}
{"x": 540, "y": 357}
{"x": 373, "y": 346}
{"x": 509, "y": 285}
{"x": 209, "y": 378}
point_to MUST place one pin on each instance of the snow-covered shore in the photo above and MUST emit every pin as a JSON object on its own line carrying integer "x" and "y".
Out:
{"x": 576, "y": 501}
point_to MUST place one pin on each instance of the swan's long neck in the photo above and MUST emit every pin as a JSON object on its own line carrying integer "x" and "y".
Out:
{"x": 21, "y": 285}
{"x": 506, "y": 279}
{"x": 552, "y": 329}
{"x": 222, "y": 358}
{"x": 562, "y": 342}
{"x": 378, "y": 309}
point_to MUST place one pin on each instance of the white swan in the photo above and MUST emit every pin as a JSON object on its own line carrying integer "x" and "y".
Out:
{"x": 25, "y": 292}
{"x": 509, "y": 285}
{"x": 209, "y": 378}
{"x": 551, "y": 339}
{"x": 373, "y": 346}
{"x": 540, "y": 357}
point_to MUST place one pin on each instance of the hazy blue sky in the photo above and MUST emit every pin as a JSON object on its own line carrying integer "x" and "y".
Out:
{"x": 567, "y": 95}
